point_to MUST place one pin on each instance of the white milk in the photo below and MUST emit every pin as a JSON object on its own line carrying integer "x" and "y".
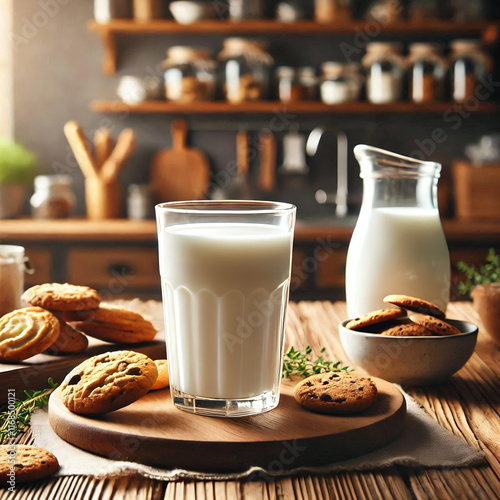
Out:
{"x": 396, "y": 250}
{"x": 228, "y": 287}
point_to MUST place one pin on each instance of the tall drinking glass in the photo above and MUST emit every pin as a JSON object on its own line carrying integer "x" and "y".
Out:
{"x": 225, "y": 273}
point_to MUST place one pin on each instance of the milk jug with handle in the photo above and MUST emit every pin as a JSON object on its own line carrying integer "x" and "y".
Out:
{"x": 398, "y": 245}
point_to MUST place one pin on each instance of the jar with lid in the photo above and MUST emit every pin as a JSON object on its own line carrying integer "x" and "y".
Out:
{"x": 190, "y": 75}
{"x": 241, "y": 10}
{"x": 384, "y": 66}
{"x": 468, "y": 63}
{"x": 107, "y": 10}
{"x": 296, "y": 84}
{"x": 246, "y": 66}
{"x": 331, "y": 11}
{"x": 12, "y": 266}
{"x": 53, "y": 197}
{"x": 426, "y": 70}
{"x": 340, "y": 82}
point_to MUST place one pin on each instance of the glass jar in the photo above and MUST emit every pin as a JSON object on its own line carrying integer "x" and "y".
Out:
{"x": 245, "y": 65}
{"x": 241, "y": 10}
{"x": 398, "y": 244}
{"x": 384, "y": 11}
{"x": 12, "y": 266}
{"x": 289, "y": 11}
{"x": 340, "y": 82}
{"x": 107, "y": 10}
{"x": 139, "y": 202}
{"x": 296, "y": 84}
{"x": 53, "y": 197}
{"x": 427, "y": 70}
{"x": 135, "y": 89}
{"x": 190, "y": 75}
{"x": 331, "y": 11}
{"x": 468, "y": 63}
{"x": 384, "y": 66}
{"x": 146, "y": 10}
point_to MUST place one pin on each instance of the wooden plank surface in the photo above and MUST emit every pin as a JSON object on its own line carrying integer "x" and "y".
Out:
{"x": 467, "y": 405}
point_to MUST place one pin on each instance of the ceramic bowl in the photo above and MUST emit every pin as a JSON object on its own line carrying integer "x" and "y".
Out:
{"x": 412, "y": 361}
{"x": 187, "y": 12}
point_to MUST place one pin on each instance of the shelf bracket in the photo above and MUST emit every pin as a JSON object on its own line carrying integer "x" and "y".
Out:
{"x": 109, "y": 63}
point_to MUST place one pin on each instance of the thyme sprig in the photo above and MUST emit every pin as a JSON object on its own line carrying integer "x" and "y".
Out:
{"x": 15, "y": 422}
{"x": 298, "y": 364}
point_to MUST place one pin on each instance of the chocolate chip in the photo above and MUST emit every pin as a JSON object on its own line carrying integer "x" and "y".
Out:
{"x": 134, "y": 371}
{"x": 309, "y": 384}
{"x": 340, "y": 400}
{"x": 313, "y": 396}
{"x": 74, "y": 380}
{"x": 325, "y": 382}
{"x": 360, "y": 388}
{"x": 334, "y": 376}
{"x": 325, "y": 397}
{"x": 352, "y": 381}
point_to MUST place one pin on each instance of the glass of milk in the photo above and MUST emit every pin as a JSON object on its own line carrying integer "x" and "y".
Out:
{"x": 225, "y": 273}
{"x": 398, "y": 245}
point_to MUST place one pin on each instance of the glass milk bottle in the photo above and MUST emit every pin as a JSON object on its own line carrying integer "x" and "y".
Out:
{"x": 398, "y": 245}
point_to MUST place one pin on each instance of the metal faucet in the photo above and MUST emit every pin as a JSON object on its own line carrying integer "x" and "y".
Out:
{"x": 342, "y": 151}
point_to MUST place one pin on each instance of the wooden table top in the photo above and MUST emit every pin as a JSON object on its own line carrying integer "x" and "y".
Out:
{"x": 467, "y": 405}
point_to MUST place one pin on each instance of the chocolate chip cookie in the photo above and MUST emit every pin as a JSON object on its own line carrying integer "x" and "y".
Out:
{"x": 375, "y": 317}
{"x": 435, "y": 325}
{"x": 407, "y": 330}
{"x": 62, "y": 297}
{"x": 336, "y": 393}
{"x": 107, "y": 382}
{"x": 70, "y": 340}
{"x": 415, "y": 305}
{"x": 30, "y": 464}
{"x": 163, "y": 380}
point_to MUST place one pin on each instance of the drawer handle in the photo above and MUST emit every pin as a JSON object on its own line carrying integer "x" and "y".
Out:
{"x": 120, "y": 269}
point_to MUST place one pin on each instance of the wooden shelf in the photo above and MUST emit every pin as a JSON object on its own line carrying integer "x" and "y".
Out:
{"x": 269, "y": 26}
{"x": 270, "y": 107}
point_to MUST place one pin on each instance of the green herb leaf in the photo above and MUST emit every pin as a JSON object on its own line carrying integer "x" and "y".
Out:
{"x": 300, "y": 364}
{"x": 487, "y": 273}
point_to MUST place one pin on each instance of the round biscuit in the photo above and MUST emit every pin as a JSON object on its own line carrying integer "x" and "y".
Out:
{"x": 336, "y": 393}
{"x": 26, "y": 332}
{"x": 374, "y": 317}
{"x": 62, "y": 297}
{"x": 163, "y": 379}
{"x": 30, "y": 463}
{"x": 407, "y": 330}
{"x": 107, "y": 382}
{"x": 438, "y": 326}
{"x": 415, "y": 304}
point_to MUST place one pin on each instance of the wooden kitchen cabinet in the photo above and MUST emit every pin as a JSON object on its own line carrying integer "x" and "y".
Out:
{"x": 120, "y": 259}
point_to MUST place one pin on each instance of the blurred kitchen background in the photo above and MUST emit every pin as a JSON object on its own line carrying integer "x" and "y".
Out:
{"x": 249, "y": 80}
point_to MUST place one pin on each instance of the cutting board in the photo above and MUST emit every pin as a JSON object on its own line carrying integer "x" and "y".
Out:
{"x": 33, "y": 373}
{"x": 180, "y": 173}
{"x": 153, "y": 432}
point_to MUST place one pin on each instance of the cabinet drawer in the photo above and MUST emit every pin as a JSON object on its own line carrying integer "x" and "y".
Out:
{"x": 115, "y": 269}
{"x": 40, "y": 261}
{"x": 331, "y": 267}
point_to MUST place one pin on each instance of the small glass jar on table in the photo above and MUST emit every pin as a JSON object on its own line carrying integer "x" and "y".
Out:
{"x": 384, "y": 66}
{"x": 468, "y": 63}
{"x": 246, "y": 66}
{"x": 340, "y": 82}
{"x": 190, "y": 75}
{"x": 427, "y": 69}
{"x": 12, "y": 267}
{"x": 53, "y": 197}
{"x": 296, "y": 84}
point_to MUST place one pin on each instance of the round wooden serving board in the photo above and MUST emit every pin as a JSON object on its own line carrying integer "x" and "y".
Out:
{"x": 153, "y": 432}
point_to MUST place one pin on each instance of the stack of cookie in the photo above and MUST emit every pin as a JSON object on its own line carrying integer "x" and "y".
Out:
{"x": 413, "y": 317}
{"x": 61, "y": 317}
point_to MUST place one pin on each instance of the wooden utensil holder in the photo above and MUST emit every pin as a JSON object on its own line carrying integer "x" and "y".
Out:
{"x": 476, "y": 191}
{"x": 103, "y": 199}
